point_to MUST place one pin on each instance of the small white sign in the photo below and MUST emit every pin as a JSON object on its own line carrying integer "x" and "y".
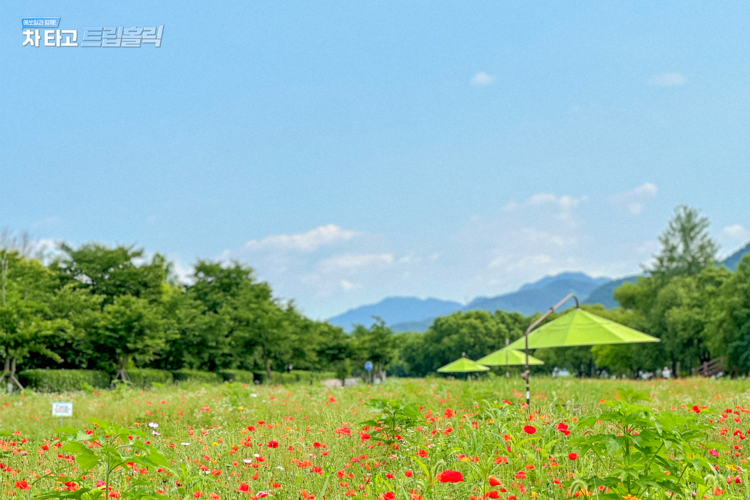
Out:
{"x": 62, "y": 409}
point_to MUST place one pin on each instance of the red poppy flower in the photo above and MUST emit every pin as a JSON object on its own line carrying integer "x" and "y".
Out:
{"x": 408, "y": 473}
{"x": 422, "y": 453}
{"x": 22, "y": 485}
{"x": 573, "y": 456}
{"x": 529, "y": 429}
{"x": 450, "y": 476}
{"x": 244, "y": 488}
{"x": 365, "y": 436}
{"x": 493, "y": 494}
{"x": 273, "y": 444}
{"x": 495, "y": 481}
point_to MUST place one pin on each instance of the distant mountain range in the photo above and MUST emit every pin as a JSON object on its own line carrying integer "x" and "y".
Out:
{"x": 734, "y": 260}
{"x": 404, "y": 314}
{"x": 604, "y": 294}
{"x": 395, "y": 310}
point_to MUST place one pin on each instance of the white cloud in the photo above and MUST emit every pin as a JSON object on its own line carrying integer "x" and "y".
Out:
{"x": 737, "y": 233}
{"x": 482, "y": 79}
{"x": 667, "y": 80}
{"x": 564, "y": 206}
{"x": 347, "y": 285}
{"x": 305, "y": 242}
{"x": 350, "y": 261}
{"x": 563, "y": 202}
{"x": 634, "y": 200}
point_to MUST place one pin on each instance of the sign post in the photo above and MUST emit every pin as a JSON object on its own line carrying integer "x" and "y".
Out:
{"x": 62, "y": 409}
{"x": 368, "y": 367}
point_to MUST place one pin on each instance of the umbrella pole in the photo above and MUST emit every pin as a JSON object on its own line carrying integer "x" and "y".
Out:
{"x": 507, "y": 370}
{"x": 528, "y": 330}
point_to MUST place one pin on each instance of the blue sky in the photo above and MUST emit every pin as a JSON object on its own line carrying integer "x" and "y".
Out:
{"x": 351, "y": 150}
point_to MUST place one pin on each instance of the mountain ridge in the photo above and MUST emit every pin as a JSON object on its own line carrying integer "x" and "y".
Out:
{"x": 415, "y": 314}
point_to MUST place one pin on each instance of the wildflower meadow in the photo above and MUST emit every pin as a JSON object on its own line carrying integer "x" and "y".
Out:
{"x": 403, "y": 439}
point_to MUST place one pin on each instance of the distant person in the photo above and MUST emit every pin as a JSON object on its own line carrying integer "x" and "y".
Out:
{"x": 666, "y": 373}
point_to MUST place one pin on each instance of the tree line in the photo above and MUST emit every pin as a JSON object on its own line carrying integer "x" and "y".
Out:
{"x": 114, "y": 308}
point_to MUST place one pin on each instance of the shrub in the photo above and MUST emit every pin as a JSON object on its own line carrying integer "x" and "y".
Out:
{"x": 299, "y": 376}
{"x": 63, "y": 380}
{"x": 241, "y": 376}
{"x": 145, "y": 377}
{"x": 197, "y": 376}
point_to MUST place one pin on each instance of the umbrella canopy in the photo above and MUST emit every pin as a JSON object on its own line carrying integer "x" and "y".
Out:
{"x": 581, "y": 328}
{"x": 463, "y": 365}
{"x": 514, "y": 358}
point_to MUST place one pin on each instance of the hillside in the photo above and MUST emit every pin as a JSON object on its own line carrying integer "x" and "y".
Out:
{"x": 394, "y": 310}
{"x": 604, "y": 294}
{"x": 530, "y": 298}
{"x": 734, "y": 260}
{"x": 541, "y": 295}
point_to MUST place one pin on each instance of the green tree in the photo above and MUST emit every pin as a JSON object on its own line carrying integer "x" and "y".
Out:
{"x": 131, "y": 330}
{"x": 259, "y": 327}
{"x": 476, "y": 333}
{"x": 113, "y": 272}
{"x": 674, "y": 302}
{"x": 376, "y": 344}
{"x": 728, "y": 330}
{"x": 216, "y": 283}
{"x": 200, "y": 340}
{"x": 687, "y": 248}
{"x": 26, "y": 322}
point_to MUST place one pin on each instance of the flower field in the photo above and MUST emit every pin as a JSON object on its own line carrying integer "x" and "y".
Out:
{"x": 405, "y": 439}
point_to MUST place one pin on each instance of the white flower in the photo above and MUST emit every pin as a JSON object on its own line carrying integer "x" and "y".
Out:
{"x": 256, "y": 455}
{"x": 185, "y": 444}
{"x": 153, "y": 425}
{"x": 253, "y": 395}
{"x": 155, "y": 433}
{"x": 280, "y": 467}
{"x": 247, "y": 460}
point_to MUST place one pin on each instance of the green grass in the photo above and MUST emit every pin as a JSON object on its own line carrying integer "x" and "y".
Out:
{"x": 213, "y": 420}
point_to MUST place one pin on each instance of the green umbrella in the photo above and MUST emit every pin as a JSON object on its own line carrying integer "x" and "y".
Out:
{"x": 463, "y": 365}
{"x": 508, "y": 357}
{"x": 579, "y": 328}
